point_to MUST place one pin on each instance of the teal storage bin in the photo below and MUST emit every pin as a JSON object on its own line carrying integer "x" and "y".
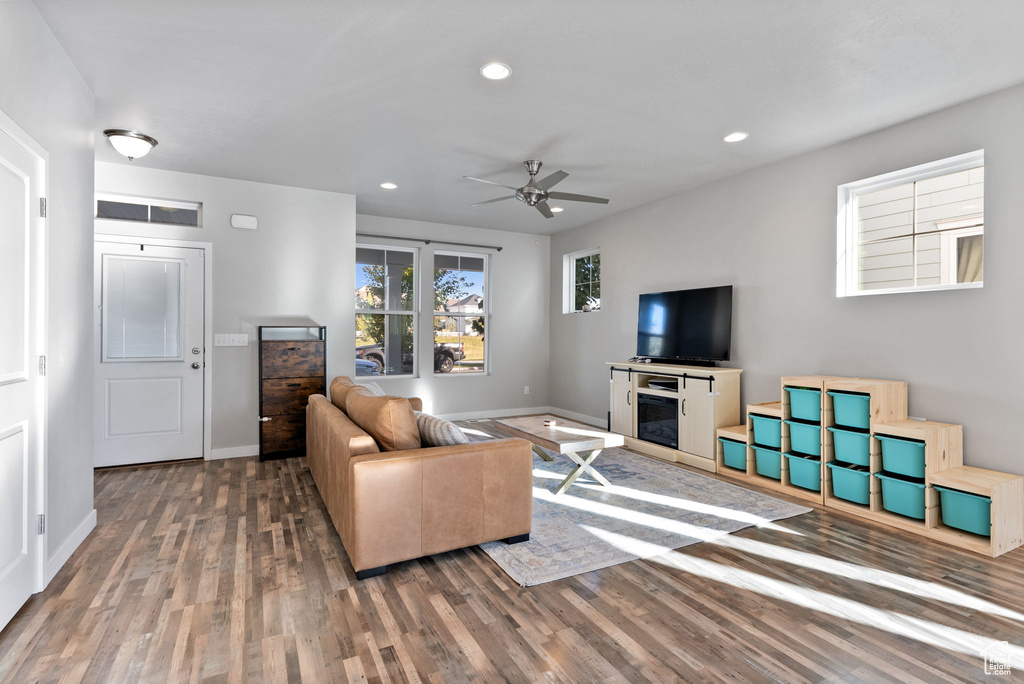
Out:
{"x": 850, "y": 484}
{"x": 852, "y": 409}
{"x": 805, "y": 472}
{"x": 804, "y": 438}
{"x": 767, "y": 431}
{"x": 902, "y": 456}
{"x": 768, "y": 462}
{"x": 902, "y": 496}
{"x": 734, "y": 453}
{"x": 965, "y": 511}
{"x": 851, "y": 446}
{"x": 805, "y": 404}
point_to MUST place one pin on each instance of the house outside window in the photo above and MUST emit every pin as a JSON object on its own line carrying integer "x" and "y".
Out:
{"x": 385, "y": 302}
{"x": 460, "y": 313}
{"x": 582, "y": 281}
{"x": 917, "y": 229}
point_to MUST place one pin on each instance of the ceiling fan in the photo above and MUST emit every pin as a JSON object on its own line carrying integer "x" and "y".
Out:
{"x": 536, "y": 193}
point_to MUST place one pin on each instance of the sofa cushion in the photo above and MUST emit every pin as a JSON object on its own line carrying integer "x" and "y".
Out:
{"x": 436, "y": 431}
{"x": 389, "y": 420}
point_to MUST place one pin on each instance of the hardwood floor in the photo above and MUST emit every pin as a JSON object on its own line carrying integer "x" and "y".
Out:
{"x": 228, "y": 571}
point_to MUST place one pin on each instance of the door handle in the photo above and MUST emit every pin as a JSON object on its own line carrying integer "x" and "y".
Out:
{"x": 264, "y": 419}
{"x": 628, "y": 400}
{"x": 197, "y": 365}
{"x": 682, "y": 407}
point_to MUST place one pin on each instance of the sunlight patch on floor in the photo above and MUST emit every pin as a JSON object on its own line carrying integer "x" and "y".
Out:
{"x": 925, "y": 631}
{"x": 862, "y": 573}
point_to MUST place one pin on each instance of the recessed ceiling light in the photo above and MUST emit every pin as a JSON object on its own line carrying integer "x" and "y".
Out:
{"x": 388, "y": 186}
{"x": 495, "y": 71}
{"x": 736, "y": 137}
{"x": 557, "y": 210}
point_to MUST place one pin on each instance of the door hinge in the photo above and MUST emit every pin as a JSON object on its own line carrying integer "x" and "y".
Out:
{"x": 42, "y": 365}
{"x": 42, "y": 207}
{"x": 42, "y": 523}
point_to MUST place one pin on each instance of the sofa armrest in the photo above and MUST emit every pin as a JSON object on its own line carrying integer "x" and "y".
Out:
{"x": 413, "y": 503}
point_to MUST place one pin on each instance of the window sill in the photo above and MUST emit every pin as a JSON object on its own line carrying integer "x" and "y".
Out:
{"x": 923, "y": 288}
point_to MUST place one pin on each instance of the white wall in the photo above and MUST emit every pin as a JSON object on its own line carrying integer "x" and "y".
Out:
{"x": 771, "y": 233}
{"x": 517, "y": 332}
{"x": 42, "y": 91}
{"x": 299, "y": 263}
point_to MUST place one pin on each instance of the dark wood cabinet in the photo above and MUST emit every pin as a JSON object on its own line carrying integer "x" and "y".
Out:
{"x": 293, "y": 365}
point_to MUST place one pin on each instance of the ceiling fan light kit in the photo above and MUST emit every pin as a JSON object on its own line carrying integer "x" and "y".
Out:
{"x": 536, "y": 193}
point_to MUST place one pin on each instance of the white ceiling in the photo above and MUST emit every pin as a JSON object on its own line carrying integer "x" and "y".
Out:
{"x": 631, "y": 98}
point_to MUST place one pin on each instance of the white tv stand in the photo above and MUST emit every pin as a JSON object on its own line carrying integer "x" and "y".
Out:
{"x": 704, "y": 400}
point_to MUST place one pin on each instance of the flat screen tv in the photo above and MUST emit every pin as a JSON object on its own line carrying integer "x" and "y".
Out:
{"x": 685, "y": 325}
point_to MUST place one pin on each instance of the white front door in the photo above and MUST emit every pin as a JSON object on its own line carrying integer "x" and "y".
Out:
{"x": 150, "y": 355}
{"x": 21, "y": 415}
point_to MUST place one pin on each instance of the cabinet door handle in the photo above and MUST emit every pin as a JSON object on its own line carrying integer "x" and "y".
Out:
{"x": 682, "y": 407}
{"x": 628, "y": 401}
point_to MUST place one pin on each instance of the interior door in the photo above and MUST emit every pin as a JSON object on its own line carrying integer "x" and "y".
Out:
{"x": 21, "y": 416}
{"x": 150, "y": 355}
{"x": 697, "y": 418}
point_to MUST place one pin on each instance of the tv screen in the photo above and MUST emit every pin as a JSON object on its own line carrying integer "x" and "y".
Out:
{"x": 685, "y": 325}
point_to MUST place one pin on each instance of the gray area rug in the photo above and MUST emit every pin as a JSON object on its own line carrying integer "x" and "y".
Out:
{"x": 650, "y": 509}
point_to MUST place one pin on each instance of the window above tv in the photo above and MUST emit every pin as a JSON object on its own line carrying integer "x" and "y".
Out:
{"x": 917, "y": 229}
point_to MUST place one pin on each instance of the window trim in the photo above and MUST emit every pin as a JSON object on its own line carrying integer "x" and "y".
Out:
{"x": 846, "y": 220}
{"x": 486, "y": 313}
{"x": 415, "y": 313}
{"x": 569, "y": 279}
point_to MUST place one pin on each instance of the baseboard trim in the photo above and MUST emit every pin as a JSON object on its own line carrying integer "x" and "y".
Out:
{"x": 70, "y": 545}
{"x": 527, "y": 411}
{"x": 235, "y": 452}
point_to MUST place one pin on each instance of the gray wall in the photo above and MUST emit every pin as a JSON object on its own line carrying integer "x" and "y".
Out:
{"x": 299, "y": 263}
{"x": 771, "y": 233}
{"x": 517, "y": 332}
{"x": 43, "y": 92}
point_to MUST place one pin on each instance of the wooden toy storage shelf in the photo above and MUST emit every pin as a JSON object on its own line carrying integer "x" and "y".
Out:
{"x": 888, "y": 417}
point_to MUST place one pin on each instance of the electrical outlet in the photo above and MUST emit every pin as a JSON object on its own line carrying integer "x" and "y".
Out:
{"x": 526, "y": 389}
{"x": 222, "y": 340}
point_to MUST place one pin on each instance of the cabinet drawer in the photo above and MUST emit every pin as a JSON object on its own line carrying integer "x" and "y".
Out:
{"x": 292, "y": 359}
{"x": 283, "y": 433}
{"x": 289, "y": 395}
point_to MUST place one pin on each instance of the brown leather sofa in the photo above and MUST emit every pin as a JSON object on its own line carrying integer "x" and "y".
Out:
{"x": 404, "y": 503}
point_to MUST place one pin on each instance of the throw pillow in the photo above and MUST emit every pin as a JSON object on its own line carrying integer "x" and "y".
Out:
{"x": 389, "y": 420}
{"x": 375, "y": 389}
{"x": 436, "y": 431}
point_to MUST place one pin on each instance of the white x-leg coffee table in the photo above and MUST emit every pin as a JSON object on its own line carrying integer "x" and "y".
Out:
{"x": 581, "y": 443}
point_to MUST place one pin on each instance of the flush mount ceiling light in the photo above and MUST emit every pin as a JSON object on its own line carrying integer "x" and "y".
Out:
{"x": 495, "y": 71}
{"x": 131, "y": 144}
{"x": 738, "y": 136}
{"x": 557, "y": 210}
{"x": 388, "y": 186}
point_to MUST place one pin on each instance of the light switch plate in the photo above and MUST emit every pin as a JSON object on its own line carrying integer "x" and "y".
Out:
{"x": 221, "y": 340}
{"x": 239, "y": 340}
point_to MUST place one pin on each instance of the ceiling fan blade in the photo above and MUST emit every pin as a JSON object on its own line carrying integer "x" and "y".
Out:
{"x": 493, "y": 200}
{"x": 543, "y": 208}
{"x": 550, "y": 181}
{"x": 481, "y": 180}
{"x": 577, "y": 198}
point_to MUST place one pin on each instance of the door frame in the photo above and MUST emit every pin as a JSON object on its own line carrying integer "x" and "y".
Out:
{"x": 207, "y": 249}
{"x": 38, "y": 313}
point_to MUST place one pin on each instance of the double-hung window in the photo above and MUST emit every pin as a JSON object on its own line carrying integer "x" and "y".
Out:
{"x": 921, "y": 228}
{"x": 582, "y": 281}
{"x": 386, "y": 310}
{"x": 460, "y": 313}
